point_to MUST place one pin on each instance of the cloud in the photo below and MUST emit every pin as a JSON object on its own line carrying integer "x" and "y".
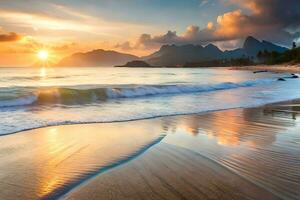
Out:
{"x": 203, "y": 2}
{"x": 273, "y": 20}
{"x": 210, "y": 25}
{"x": 63, "y": 20}
{"x": 63, "y": 47}
{"x": 10, "y": 37}
{"x": 193, "y": 34}
{"x": 230, "y": 44}
{"x": 32, "y": 45}
{"x": 126, "y": 46}
{"x": 41, "y": 21}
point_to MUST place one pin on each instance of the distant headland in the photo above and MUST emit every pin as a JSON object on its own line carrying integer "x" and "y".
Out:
{"x": 136, "y": 63}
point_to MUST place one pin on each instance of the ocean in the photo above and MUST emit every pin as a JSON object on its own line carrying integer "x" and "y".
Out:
{"x": 40, "y": 97}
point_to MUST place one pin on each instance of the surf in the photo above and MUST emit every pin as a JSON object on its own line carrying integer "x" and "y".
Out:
{"x": 82, "y": 95}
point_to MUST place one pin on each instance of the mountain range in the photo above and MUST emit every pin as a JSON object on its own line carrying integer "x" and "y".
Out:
{"x": 99, "y": 57}
{"x": 172, "y": 55}
{"x": 179, "y": 55}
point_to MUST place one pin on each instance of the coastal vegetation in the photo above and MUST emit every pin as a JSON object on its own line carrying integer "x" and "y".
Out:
{"x": 222, "y": 63}
{"x": 290, "y": 56}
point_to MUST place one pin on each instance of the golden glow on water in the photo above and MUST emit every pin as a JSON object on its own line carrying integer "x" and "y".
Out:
{"x": 43, "y": 72}
{"x": 227, "y": 133}
{"x": 226, "y": 128}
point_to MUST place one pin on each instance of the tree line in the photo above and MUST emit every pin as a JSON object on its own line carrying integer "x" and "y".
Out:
{"x": 271, "y": 58}
{"x": 244, "y": 61}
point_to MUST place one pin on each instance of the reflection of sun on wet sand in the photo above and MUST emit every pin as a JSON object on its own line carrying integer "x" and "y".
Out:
{"x": 234, "y": 154}
{"x": 48, "y": 162}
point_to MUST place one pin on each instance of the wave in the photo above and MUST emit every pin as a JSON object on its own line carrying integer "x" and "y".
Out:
{"x": 141, "y": 91}
{"x": 23, "y": 101}
{"x": 69, "y": 96}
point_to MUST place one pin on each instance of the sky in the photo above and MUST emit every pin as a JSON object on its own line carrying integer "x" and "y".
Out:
{"x": 138, "y": 27}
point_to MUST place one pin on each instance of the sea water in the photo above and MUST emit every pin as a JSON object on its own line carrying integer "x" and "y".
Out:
{"x": 39, "y": 97}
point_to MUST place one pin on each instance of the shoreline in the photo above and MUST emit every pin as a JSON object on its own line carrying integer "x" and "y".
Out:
{"x": 282, "y": 68}
{"x": 146, "y": 118}
{"x": 279, "y": 68}
{"x": 75, "y": 147}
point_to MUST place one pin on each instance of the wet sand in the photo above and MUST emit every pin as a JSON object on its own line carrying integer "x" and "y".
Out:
{"x": 170, "y": 172}
{"x": 234, "y": 154}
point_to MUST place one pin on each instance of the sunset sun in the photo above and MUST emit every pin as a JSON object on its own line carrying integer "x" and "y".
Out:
{"x": 43, "y": 55}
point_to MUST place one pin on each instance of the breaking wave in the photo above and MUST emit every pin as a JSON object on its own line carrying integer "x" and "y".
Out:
{"x": 64, "y": 95}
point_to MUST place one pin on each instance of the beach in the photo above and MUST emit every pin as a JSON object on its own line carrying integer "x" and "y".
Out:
{"x": 282, "y": 68}
{"x": 250, "y": 153}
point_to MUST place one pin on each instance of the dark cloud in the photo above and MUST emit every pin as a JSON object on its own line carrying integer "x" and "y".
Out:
{"x": 285, "y": 14}
{"x": 10, "y": 37}
{"x": 274, "y": 20}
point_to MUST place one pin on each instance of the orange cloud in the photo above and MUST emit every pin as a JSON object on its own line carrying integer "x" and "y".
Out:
{"x": 210, "y": 25}
{"x": 10, "y": 37}
{"x": 229, "y": 24}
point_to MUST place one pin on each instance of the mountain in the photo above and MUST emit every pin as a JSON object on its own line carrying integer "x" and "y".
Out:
{"x": 171, "y": 55}
{"x": 97, "y": 57}
{"x": 252, "y": 46}
{"x": 178, "y": 55}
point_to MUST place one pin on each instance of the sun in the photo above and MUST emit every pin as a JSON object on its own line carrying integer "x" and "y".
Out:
{"x": 43, "y": 55}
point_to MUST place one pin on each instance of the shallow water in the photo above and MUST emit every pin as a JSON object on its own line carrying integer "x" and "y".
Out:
{"x": 39, "y": 97}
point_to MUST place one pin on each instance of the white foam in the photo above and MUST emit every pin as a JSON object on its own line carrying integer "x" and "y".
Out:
{"x": 141, "y": 91}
